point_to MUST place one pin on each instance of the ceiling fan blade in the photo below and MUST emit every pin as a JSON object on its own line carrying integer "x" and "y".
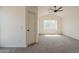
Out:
{"x": 59, "y": 8}
{"x": 55, "y": 7}
{"x": 50, "y": 8}
{"x": 50, "y": 11}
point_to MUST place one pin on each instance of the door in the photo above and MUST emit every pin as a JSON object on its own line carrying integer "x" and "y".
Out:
{"x": 31, "y": 28}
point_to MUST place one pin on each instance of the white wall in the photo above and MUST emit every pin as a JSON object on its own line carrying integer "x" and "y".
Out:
{"x": 13, "y": 33}
{"x": 71, "y": 22}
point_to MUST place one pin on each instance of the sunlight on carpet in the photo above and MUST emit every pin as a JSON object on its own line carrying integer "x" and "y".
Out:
{"x": 52, "y": 35}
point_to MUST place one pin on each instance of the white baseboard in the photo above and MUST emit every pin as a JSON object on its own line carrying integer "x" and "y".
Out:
{"x": 50, "y": 33}
{"x": 13, "y": 46}
{"x": 70, "y": 37}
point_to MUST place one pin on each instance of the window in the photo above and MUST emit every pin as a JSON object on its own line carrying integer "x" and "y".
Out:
{"x": 50, "y": 24}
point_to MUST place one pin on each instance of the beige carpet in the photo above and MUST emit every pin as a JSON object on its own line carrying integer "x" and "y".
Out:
{"x": 49, "y": 44}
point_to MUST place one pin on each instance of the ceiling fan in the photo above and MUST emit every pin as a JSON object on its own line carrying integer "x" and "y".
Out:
{"x": 55, "y": 9}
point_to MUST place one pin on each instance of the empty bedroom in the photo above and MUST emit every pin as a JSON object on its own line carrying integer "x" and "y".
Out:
{"x": 39, "y": 29}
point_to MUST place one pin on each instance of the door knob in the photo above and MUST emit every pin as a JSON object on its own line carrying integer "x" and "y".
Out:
{"x": 28, "y": 30}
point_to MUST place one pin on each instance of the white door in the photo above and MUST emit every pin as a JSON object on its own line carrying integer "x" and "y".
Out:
{"x": 31, "y": 28}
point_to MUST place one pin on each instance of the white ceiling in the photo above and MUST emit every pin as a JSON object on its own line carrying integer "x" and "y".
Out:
{"x": 67, "y": 10}
{"x": 43, "y": 10}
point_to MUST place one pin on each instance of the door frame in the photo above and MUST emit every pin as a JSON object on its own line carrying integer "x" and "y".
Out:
{"x": 26, "y": 26}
